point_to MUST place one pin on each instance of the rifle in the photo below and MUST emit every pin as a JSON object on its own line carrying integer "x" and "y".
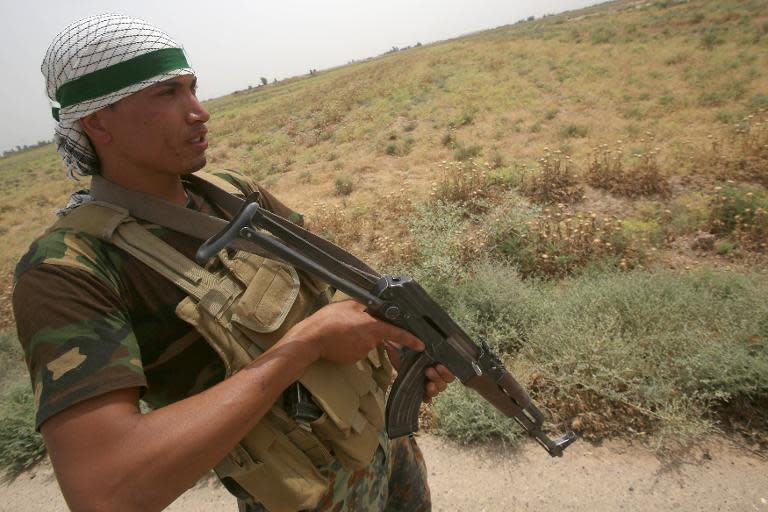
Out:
{"x": 401, "y": 301}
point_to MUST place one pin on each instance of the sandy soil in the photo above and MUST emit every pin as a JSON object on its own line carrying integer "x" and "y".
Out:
{"x": 615, "y": 476}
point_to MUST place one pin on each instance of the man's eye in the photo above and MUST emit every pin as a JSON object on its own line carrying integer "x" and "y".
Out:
{"x": 166, "y": 92}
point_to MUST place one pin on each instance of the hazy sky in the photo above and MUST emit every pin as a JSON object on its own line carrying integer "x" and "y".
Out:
{"x": 231, "y": 43}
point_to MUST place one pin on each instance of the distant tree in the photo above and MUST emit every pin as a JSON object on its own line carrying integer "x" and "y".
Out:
{"x": 264, "y": 81}
{"x": 531, "y": 18}
{"x": 418, "y": 44}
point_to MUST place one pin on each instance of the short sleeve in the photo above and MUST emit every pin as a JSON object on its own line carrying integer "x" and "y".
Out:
{"x": 77, "y": 337}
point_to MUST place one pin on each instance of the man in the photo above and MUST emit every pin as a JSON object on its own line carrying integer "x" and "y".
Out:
{"x": 98, "y": 325}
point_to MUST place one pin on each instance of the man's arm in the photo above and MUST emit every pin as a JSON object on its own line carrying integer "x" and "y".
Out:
{"x": 108, "y": 456}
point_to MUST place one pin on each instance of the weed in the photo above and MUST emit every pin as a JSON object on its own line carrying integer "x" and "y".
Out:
{"x": 758, "y": 102}
{"x": 21, "y": 447}
{"x": 464, "y": 153}
{"x": 402, "y": 149}
{"x": 305, "y": 177}
{"x": 741, "y": 214}
{"x": 467, "y": 117}
{"x": 723, "y": 247}
{"x": 554, "y": 182}
{"x": 643, "y": 177}
{"x": 343, "y": 186}
{"x": 466, "y": 183}
{"x": 741, "y": 155}
{"x": 496, "y": 160}
{"x": 461, "y": 416}
{"x": 602, "y": 35}
{"x": 571, "y": 131}
{"x": 449, "y": 139}
{"x": 710, "y": 39}
{"x": 560, "y": 242}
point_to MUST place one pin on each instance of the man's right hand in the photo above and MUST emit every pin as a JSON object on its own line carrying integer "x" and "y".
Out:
{"x": 343, "y": 332}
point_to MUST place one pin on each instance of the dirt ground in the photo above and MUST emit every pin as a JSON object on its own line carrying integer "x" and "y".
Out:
{"x": 614, "y": 476}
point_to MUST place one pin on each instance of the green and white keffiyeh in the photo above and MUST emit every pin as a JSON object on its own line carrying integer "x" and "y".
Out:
{"x": 96, "y": 62}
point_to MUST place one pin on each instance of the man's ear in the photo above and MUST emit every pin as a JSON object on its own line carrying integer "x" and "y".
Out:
{"x": 94, "y": 127}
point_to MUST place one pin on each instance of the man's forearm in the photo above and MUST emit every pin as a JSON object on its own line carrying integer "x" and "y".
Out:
{"x": 144, "y": 462}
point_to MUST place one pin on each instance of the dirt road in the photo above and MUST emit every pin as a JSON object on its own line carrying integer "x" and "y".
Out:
{"x": 615, "y": 476}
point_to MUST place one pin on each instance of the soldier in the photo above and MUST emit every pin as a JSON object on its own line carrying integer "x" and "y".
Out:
{"x": 103, "y": 326}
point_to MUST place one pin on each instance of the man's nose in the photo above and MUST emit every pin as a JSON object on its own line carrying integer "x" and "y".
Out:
{"x": 197, "y": 112}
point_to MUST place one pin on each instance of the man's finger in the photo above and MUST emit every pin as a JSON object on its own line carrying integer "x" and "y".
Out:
{"x": 401, "y": 338}
{"x": 445, "y": 373}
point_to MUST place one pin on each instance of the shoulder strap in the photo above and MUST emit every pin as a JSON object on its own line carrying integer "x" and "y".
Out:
{"x": 163, "y": 213}
{"x": 95, "y": 218}
{"x": 202, "y": 226}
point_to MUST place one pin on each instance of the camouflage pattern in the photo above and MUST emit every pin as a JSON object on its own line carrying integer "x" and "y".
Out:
{"x": 395, "y": 482}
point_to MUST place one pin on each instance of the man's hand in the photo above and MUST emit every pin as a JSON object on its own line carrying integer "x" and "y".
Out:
{"x": 343, "y": 332}
{"x": 438, "y": 376}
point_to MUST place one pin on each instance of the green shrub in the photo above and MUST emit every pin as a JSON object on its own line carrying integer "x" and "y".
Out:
{"x": 571, "y": 131}
{"x": 723, "y": 247}
{"x": 613, "y": 353}
{"x": 741, "y": 213}
{"x": 464, "y": 153}
{"x": 21, "y": 447}
{"x": 463, "y": 416}
{"x": 711, "y": 38}
{"x": 602, "y": 35}
{"x": 343, "y": 186}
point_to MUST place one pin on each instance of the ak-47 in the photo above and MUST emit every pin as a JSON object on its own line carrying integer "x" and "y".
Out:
{"x": 401, "y": 301}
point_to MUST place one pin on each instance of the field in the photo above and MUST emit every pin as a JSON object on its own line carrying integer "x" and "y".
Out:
{"x": 587, "y": 191}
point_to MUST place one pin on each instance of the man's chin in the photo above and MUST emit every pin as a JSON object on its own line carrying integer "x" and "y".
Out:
{"x": 199, "y": 164}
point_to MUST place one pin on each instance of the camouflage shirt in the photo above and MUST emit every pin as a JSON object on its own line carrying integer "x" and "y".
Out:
{"x": 93, "y": 319}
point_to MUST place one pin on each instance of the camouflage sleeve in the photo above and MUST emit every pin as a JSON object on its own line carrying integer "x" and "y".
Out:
{"x": 73, "y": 326}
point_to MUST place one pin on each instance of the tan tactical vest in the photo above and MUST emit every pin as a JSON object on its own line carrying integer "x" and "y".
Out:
{"x": 241, "y": 311}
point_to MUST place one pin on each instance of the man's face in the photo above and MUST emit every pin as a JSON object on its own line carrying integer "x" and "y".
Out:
{"x": 158, "y": 129}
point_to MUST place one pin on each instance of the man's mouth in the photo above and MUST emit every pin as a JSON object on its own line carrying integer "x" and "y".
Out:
{"x": 201, "y": 138}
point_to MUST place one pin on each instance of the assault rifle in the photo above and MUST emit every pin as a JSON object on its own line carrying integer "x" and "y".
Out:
{"x": 398, "y": 300}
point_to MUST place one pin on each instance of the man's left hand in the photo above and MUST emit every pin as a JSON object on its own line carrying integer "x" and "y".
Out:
{"x": 438, "y": 378}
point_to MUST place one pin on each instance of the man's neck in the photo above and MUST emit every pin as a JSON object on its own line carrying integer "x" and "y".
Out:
{"x": 167, "y": 187}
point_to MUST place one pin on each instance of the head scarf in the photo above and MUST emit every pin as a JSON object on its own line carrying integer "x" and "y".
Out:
{"x": 96, "y": 62}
